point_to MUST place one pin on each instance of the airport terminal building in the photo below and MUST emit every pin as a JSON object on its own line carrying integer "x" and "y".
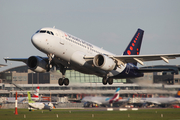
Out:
{"x": 22, "y": 79}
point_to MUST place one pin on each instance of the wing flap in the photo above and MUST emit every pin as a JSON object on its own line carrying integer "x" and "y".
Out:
{"x": 143, "y": 58}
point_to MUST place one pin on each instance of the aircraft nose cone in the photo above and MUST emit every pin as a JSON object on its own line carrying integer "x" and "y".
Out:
{"x": 35, "y": 39}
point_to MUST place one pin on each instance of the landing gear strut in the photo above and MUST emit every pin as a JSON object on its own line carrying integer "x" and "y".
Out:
{"x": 63, "y": 80}
{"x": 110, "y": 81}
{"x": 106, "y": 80}
{"x": 49, "y": 65}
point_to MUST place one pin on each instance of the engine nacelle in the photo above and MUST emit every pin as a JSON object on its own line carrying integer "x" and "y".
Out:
{"x": 37, "y": 64}
{"x": 104, "y": 62}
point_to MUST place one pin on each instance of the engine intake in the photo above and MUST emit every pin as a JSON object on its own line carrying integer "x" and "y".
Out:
{"x": 104, "y": 62}
{"x": 37, "y": 64}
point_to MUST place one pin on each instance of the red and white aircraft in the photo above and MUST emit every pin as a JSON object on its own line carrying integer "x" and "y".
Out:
{"x": 35, "y": 97}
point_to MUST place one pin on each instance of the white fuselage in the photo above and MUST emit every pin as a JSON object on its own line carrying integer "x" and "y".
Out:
{"x": 168, "y": 100}
{"x": 97, "y": 100}
{"x": 70, "y": 51}
{"x": 40, "y": 105}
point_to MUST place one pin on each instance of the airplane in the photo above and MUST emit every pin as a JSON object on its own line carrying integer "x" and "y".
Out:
{"x": 35, "y": 96}
{"x": 38, "y": 105}
{"x": 104, "y": 100}
{"x": 64, "y": 51}
{"x": 162, "y": 100}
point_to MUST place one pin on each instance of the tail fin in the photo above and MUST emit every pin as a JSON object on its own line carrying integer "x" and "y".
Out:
{"x": 135, "y": 44}
{"x": 178, "y": 94}
{"x": 116, "y": 94}
{"x": 115, "y": 98}
{"x": 36, "y": 94}
{"x": 29, "y": 98}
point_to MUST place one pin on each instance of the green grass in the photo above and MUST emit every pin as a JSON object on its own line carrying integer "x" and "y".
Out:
{"x": 144, "y": 114}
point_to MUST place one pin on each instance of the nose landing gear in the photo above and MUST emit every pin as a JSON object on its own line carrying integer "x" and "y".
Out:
{"x": 49, "y": 65}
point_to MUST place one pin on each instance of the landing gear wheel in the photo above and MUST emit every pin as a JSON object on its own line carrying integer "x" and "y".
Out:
{"x": 104, "y": 81}
{"x": 66, "y": 81}
{"x": 48, "y": 66}
{"x": 110, "y": 81}
{"x": 60, "y": 81}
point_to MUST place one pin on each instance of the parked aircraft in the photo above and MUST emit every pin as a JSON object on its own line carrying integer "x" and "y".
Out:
{"x": 38, "y": 105}
{"x": 35, "y": 96}
{"x": 64, "y": 51}
{"x": 162, "y": 100}
{"x": 104, "y": 100}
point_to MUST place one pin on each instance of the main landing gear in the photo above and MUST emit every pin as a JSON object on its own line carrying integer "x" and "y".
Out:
{"x": 106, "y": 80}
{"x": 64, "y": 81}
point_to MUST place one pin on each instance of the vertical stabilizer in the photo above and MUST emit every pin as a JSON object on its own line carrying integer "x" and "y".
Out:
{"x": 29, "y": 98}
{"x": 135, "y": 44}
{"x": 36, "y": 94}
{"x": 115, "y": 98}
{"x": 116, "y": 95}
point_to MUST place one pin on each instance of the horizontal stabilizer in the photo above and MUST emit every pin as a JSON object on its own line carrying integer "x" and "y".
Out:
{"x": 145, "y": 70}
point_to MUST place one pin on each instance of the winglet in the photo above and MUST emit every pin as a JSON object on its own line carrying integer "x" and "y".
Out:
{"x": 5, "y": 60}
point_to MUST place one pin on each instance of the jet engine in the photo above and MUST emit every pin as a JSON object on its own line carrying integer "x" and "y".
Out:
{"x": 104, "y": 62}
{"x": 37, "y": 64}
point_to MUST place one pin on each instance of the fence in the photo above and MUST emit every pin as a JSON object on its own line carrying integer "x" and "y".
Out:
{"x": 25, "y": 106}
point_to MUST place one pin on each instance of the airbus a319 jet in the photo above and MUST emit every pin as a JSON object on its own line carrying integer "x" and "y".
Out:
{"x": 64, "y": 51}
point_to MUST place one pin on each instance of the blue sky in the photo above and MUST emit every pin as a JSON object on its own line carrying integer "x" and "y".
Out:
{"x": 105, "y": 23}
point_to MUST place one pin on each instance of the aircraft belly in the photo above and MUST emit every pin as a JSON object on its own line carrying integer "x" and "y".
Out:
{"x": 88, "y": 69}
{"x": 128, "y": 72}
{"x": 117, "y": 71}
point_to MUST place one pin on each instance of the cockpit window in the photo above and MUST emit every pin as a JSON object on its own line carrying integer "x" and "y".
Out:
{"x": 52, "y": 33}
{"x": 48, "y": 32}
{"x": 42, "y": 31}
{"x": 45, "y": 31}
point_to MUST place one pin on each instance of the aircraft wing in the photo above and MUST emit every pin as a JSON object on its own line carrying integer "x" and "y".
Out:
{"x": 25, "y": 60}
{"x": 17, "y": 59}
{"x": 97, "y": 102}
{"x": 91, "y": 100}
{"x": 22, "y": 100}
{"x": 143, "y": 58}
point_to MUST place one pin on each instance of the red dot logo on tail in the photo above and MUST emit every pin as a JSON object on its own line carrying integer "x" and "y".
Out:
{"x": 129, "y": 52}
